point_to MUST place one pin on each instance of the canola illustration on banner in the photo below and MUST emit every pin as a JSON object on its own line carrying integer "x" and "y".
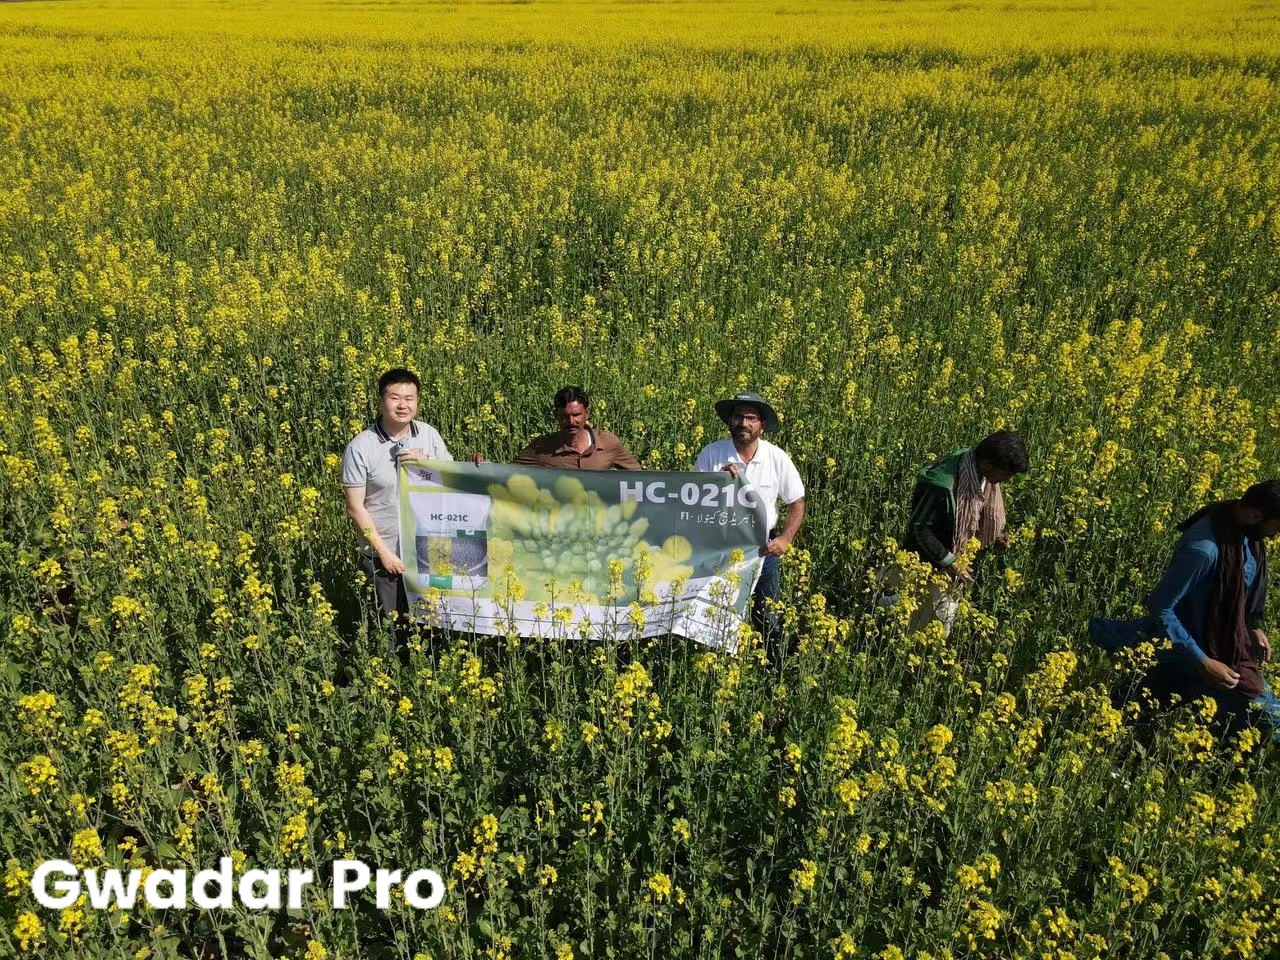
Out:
{"x": 507, "y": 547}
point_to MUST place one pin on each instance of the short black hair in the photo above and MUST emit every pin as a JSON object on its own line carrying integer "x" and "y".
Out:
{"x": 568, "y": 395}
{"x": 397, "y": 375}
{"x": 1264, "y": 496}
{"x": 1004, "y": 450}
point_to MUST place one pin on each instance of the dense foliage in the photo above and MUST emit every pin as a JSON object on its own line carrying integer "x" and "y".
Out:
{"x": 905, "y": 223}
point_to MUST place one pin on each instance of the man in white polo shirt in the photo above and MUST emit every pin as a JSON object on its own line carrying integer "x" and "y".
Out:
{"x": 371, "y": 482}
{"x": 770, "y": 471}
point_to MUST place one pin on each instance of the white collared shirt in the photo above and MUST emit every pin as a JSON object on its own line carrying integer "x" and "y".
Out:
{"x": 770, "y": 472}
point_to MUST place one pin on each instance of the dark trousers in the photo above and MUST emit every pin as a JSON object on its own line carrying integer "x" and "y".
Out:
{"x": 768, "y": 587}
{"x": 393, "y": 602}
{"x": 1168, "y": 680}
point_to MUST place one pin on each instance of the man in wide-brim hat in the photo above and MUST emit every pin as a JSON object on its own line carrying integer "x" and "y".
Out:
{"x": 770, "y": 471}
{"x": 752, "y": 401}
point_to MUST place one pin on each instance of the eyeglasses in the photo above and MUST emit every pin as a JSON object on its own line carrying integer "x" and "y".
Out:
{"x": 746, "y": 417}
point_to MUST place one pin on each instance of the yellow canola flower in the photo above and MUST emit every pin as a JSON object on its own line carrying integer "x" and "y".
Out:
{"x": 39, "y": 774}
{"x": 39, "y": 711}
{"x": 28, "y": 931}
{"x": 86, "y": 846}
{"x": 660, "y": 887}
{"x": 803, "y": 879}
{"x": 938, "y": 738}
{"x": 16, "y": 879}
{"x": 292, "y": 835}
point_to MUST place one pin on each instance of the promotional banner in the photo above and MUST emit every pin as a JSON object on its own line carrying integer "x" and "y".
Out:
{"x": 539, "y": 552}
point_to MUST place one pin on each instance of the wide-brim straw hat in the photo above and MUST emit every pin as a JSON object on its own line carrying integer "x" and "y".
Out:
{"x": 724, "y": 408}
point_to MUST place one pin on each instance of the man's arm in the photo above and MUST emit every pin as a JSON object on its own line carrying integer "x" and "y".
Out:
{"x": 928, "y": 503}
{"x": 1192, "y": 564}
{"x": 368, "y": 530}
{"x": 624, "y": 459}
{"x": 528, "y": 457}
{"x": 782, "y": 542}
{"x": 1256, "y": 598}
{"x": 1262, "y": 642}
{"x": 436, "y": 447}
{"x": 791, "y": 491}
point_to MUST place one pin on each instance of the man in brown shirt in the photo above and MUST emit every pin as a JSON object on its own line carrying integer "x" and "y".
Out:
{"x": 577, "y": 445}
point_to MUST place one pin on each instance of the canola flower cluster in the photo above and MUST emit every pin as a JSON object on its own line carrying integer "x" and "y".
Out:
{"x": 905, "y": 223}
{"x": 588, "y": 535}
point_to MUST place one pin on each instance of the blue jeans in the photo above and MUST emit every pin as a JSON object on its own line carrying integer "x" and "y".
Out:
{"x": 768, "y": 587}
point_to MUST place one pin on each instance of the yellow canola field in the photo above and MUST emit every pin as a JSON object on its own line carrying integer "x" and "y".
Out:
{"x": 1232, "y": 27}
{"x": 907, "y": 223}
